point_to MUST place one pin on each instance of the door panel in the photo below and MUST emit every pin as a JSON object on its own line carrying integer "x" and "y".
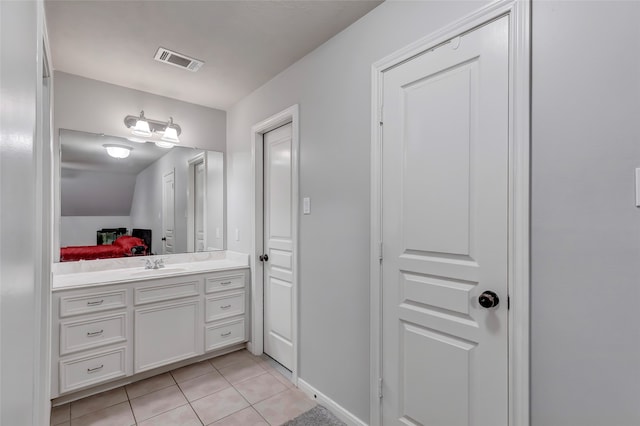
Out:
{"x": 278, "y": 273}
{"x": 437, "y": 149}
{"x": 444, "y": 228}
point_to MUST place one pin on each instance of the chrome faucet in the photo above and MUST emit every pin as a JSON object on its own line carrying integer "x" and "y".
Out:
{"x": 156, "y": 264}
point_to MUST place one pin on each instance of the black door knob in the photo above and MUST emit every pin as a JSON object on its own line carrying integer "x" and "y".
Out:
{"x": 164, "y": 238}
{"x": 488, "y": 299}
{"x": 264, "y": 257}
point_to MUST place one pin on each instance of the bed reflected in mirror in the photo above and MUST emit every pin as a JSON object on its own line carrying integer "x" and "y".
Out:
{"x": 120, "y": 198}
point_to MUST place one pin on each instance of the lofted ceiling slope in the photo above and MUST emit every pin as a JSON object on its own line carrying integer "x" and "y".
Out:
{"x": 243, "y": 43}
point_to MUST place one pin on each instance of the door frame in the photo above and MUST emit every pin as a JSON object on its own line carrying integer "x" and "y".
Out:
{"x": 191, "y": 195}
{"x": 289, "y": 115}
{"x": 164, "y": 219}
{"x": 519, "y": 12}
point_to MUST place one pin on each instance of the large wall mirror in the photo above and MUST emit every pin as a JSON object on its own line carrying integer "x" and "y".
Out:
{"x": 153, "y": 201}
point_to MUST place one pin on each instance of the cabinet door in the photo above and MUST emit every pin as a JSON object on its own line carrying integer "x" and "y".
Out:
{"x": 166, "y": 333}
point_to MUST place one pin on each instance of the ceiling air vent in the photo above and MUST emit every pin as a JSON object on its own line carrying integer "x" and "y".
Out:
{"x": 177, "y": 59}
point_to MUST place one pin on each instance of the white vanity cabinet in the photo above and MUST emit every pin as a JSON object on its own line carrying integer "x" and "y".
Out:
{"x": 106, "y": 332}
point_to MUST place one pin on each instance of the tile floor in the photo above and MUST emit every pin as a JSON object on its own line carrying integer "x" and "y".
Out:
{"x": 237, "y": 389}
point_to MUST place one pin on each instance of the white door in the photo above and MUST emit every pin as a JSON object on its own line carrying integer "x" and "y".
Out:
{"x": 199, "y": 191}
{"x": 444, "y": 229}
{"x": 278, "y": 246}
{"x": 168, "y": 213}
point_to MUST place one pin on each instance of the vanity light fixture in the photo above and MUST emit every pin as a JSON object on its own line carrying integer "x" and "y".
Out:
{"x": 118, "y": 151}
{"x": 152, "y": 129}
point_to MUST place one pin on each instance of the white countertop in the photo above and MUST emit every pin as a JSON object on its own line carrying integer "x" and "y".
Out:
{"x": 94, "y": 273}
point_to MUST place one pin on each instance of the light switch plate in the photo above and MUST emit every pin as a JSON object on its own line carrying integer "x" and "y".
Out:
{"x": 638, "y": 187}
{"x": 306, "y": 205}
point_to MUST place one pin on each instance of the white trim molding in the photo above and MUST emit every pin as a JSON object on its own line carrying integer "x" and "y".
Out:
{"x": 289, "y": 115}
{"x": 338, "y": 410}
{"x": 519, "y": 12}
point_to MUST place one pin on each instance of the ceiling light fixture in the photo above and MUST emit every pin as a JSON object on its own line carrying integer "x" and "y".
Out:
{"x": 118, "y": 151}
{"x": 148, "y": 128}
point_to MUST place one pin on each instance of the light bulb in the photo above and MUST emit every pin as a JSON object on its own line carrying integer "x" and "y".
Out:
{"x": 170, "y": 135}
{"x": 165, "y": 145}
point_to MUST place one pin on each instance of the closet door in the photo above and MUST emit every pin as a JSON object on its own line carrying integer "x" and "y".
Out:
{"x": 444, "y": 231}
{"x": 278, "y": 246}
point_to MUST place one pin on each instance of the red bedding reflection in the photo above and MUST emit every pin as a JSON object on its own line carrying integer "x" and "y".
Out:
{"x": 121, "y": 247}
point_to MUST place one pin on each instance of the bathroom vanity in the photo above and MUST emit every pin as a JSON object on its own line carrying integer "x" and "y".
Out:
{"x": 114, "y": 319}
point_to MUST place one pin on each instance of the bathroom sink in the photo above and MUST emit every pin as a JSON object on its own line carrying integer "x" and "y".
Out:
{"x": 161, "y": 271}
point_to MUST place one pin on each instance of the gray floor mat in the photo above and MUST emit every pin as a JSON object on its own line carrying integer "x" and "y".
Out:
{"x": 317, "y": 416}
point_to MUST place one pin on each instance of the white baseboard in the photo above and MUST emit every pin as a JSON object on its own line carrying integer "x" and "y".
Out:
{"x": 322, "y": 399}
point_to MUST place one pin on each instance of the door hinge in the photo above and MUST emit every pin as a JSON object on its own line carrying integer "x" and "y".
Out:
{"x": 379, "y": 387}
{"x": 380, "y": 252}
{"x": 508, "y": 303}
{"x": 380, "y": 115}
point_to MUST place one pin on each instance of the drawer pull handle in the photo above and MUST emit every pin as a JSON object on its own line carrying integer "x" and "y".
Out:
{"x": 95, "y": 303}
{"x": 94, "y": 333}
{"x": 225, "y": 307}
{"x": 226, "y": 334}
{"x": 91, "y": 370}
{"x": 225, "y": 283}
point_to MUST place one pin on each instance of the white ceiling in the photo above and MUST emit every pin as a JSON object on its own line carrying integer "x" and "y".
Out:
{"x": 85, "y": 151}
{"x": 243, "y": 43}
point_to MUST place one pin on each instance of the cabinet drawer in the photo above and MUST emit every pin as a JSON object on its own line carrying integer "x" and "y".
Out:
{"x": 92, "y": 369}
{"x": 223, "y": 334}
{"x": 92, "y": 302}
{"x": 227, "y": 282}
{"x": 168, "y": 291}
{"x": 92, "y": 332}
{"x": 229, "y": 305}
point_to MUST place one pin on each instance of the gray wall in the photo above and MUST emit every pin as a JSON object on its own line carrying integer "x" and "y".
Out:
{"x": 91, "y": 193}
{"x": 23, "y": 283}
{"x": 332, "y": 87}
{"x": 81, "y": 230}
{"x": 585, "y": 226}
{"x": 215, "y": 201}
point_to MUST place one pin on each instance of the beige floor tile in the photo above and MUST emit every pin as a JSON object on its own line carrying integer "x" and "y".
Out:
{"x": 149, "y": 385}
{"x": 60, "y": 414}
{"x": 204, "y": 385}
{"x": 67, "y": 423}
{"x": 191, "y": 371}
{"x": 97, "y": 402}
{"x": 228, "y": 359}
{"x": 182, "y": 416}
{"x": 158, "y": 402}
{"x": 284, "y": 406}
{"x": 219, "y": 405}
{"x": 246, "y": 417}
{"x": 116, "y": 415}
{"x": 260, "y": 387}
{"x": 241, "y": 370}
{"x": 284, "y": 380}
